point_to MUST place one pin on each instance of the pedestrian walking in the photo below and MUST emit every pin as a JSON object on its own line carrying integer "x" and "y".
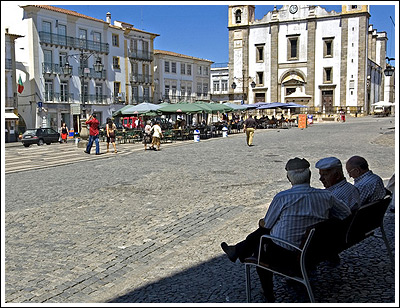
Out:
{"x": 110, "y": 129}
{"x": 93, "y": 134}
{"x": 342, "y": 115}
{"x": 147, "y": 135}
{"x": 64, "y": 132}
{"x": 157, "y": 135}
{"x": 250, "y": 127}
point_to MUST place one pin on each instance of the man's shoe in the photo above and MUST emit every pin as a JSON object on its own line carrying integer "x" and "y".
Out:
{"x": 86, "y": 152}
{"x": 230, "y": 251}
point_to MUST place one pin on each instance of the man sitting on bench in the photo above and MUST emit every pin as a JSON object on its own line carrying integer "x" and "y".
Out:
{"x": 370, "y": 185}
{"x": 332, "y": 177}
{"x": 289, "y": 215}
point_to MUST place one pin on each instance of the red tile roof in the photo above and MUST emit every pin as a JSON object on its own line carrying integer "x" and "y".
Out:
{"x": 73, "y": 13}
{"x": 64, "y": 11}
{"x": 170, "y": 53}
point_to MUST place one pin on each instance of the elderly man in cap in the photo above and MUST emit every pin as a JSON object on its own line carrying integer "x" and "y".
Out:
{"x": 332, "y": 177}
{"x": 289, "y": 215}
{"x": 369, "y": 184}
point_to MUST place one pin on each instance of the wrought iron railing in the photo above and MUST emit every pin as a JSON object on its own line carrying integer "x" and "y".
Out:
{"x": 141, "y": 99}
{"x": 141, "y": 55}
{"x": 74, "y": 42}
{"x": 64, "y": 97}
{"x": 140, "y": 78}
{"x": 51, "y": 68}
{"x": 91, "y": 73}
{"x": 98, "y": 99}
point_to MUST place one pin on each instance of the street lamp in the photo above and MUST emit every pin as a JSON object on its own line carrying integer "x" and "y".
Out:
{"x": 233, "y": 85}
{"x": 67, "y": 70}
{"x": 389, "y": 70}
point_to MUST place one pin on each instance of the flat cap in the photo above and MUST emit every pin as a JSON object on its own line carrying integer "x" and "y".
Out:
{"x": 328, "y": 163}
{"x": 297, "y": 163}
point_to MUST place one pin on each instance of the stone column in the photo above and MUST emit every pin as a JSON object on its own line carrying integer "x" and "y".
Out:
{"x": 310, "y": 82}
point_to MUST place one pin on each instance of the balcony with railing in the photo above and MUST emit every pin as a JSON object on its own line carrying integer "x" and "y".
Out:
{"x": 73, "y": 42}
{"x": 141, "y": 99}
{"x": 51, "y": 68}
{"x": 141, "y": 55}
{"x": 140, "y": 78}
{"x": 190, "y": 98}
{"x": 119, "y": 98}
{"x": 11, "y": 102}
{"x": 98, "y": 99}
{"x": 91, "y": 73}
{"x": 64, "y": 97}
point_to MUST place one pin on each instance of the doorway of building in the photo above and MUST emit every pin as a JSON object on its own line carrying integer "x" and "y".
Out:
{"x": 327, "y": 101}
{"x": 260, "y": 97}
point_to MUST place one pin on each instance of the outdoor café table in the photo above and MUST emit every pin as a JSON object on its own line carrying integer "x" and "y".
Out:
{"x": 120, "y": 136}
{"x": 178, "y": 133}
{"x": 134, "y": 135}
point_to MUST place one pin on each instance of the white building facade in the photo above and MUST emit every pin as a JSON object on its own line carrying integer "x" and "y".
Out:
{"x": 179, "y": 77}
{"x": 220, "y": 82}
{"x": 306, "y": 55}
{"x": 55, "y": 37}
{"x": 10, "y": 96}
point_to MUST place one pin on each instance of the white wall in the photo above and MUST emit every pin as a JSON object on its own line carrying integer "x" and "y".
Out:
{"x": 325, "y": 29}
{"x": 352, "y": 55}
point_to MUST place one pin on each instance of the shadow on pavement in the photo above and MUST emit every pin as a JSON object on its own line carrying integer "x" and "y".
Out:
{"x": 364, "y": 275}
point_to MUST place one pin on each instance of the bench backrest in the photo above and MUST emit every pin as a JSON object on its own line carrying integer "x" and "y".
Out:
{"x": 366, "y": 219}
{"x": 325, "y": 240}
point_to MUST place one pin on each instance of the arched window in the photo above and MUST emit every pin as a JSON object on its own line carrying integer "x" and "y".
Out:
{"x": 238, "y": 16}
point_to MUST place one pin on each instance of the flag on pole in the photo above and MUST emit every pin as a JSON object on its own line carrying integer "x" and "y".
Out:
{"x": 20, "y": 85}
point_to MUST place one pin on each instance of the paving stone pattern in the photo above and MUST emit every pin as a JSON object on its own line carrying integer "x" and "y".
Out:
{"x": 147, "y": 227}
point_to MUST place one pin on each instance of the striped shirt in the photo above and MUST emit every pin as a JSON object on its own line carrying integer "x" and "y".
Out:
{"x": 292, "y": 211}
{"x": 370, "y": 186}
{"x": 346, "y": 192}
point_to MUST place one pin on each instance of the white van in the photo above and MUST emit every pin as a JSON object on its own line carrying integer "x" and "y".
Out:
{"x": 381, "y": 110}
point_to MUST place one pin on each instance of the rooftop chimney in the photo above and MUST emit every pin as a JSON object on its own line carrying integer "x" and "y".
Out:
{"x": 108, "y": 18}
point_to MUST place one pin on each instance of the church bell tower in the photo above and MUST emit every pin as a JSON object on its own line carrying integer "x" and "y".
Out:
{"x": 240, "y": 17}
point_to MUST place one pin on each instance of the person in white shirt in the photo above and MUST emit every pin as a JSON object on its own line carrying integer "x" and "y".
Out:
{"x": 157, "y": 135}
{"x": 147, "y": 135}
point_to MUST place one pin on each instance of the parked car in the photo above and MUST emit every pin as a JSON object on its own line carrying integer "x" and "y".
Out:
{"x": 40, "y": 136}
{"x": 381, "y": 110}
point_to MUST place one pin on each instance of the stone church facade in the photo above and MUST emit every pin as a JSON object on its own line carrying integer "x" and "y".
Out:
{"x": 304, "y": 54}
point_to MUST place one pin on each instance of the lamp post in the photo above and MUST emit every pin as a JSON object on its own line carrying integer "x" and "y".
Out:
{"x": 67, "y": 69}
{"x": 253, "y": 84}
{"x": 389, "y": 70}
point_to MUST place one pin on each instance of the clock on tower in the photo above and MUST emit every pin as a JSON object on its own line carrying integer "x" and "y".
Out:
{"x": 293, "y": 9}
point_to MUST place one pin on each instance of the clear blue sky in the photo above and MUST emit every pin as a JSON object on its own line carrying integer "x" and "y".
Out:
{"x": 200, "y": 30}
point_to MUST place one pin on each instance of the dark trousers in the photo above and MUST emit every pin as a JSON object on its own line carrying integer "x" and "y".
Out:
{"x": 271, "y": 254}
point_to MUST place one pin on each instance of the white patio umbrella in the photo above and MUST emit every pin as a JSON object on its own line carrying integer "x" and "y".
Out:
{"x": 383, "y": 104}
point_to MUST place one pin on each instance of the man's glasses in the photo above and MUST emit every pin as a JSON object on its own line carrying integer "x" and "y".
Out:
{"x": 348, "y": 172}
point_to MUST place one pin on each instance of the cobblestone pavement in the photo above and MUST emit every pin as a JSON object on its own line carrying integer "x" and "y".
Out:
{"x": 146, "y": 227}
{"x": 19, "y": 158}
